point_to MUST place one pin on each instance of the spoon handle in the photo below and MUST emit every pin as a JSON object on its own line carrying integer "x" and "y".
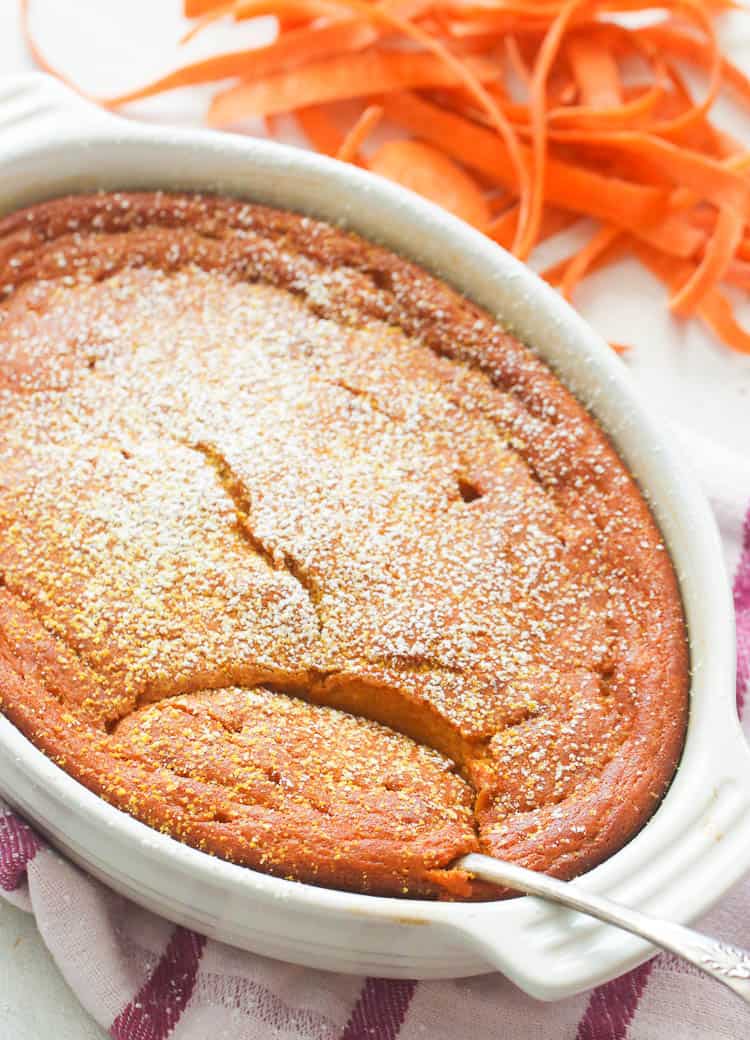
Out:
{"x": 726, "y": 963}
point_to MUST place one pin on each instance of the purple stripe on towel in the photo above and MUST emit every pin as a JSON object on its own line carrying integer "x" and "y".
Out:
{"x": 612, "y": 1006}
{"x": 742, "y": 609}
{"x": 155, "y": 1010}
{"x": 380, "y": 1010}
{"x": 18, "y": 846}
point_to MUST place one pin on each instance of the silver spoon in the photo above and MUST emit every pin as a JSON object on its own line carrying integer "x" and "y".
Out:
{"x": 725, "y": 963}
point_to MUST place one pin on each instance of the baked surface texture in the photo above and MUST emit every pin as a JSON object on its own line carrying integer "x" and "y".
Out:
{"x": 307, "y": 563}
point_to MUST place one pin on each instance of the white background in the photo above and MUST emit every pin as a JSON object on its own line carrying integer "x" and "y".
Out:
{"x": 688, "y": 379}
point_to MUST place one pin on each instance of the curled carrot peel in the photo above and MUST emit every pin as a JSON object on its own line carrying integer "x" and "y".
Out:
{"x": 473, "y": 85}
{"x": 685, "y": 46}
{"x": 205, "y": 20}
{"x": 320, "y": 130}
{"x": 369, "y": 119}
{"x": 714, "y": 309}
{"x": 582, "y": 261}
{"x": 429, "y": 172}
{"x": 718, "y": 256}
{"x": 503, "y": 227}
{"x": 292, "y": 13}
{"x": 336, "y": 79}
{"x": 595, "y": 72}
{"x": 568, "y": 185}
{"x": 738, "y": 274}
{"x": 520, "y": 116}
{"x": 295, "y": 48}
{"x": 538, "y": 120}
{"x": 197, "y": 8}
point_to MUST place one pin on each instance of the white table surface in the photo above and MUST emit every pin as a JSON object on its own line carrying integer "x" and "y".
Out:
{"x": 688, "y": 379}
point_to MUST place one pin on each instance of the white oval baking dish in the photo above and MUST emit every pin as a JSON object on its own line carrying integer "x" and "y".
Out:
{"x": 698, "y": 842}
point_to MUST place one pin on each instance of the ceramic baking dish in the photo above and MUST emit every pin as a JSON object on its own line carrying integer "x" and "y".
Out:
{"x": 698, "y": 842}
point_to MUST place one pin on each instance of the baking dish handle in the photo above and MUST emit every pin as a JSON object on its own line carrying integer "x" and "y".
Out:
{"x": 676, "y": 859}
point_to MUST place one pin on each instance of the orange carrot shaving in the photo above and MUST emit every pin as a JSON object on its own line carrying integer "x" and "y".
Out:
{"x": 320, "y": 129}
{"x": 205, "y": 20}
{"x": 197, "y": 8}
{"x": 714, "y": 309}
{"x": 673, "y": 235}
{"x": 713, "y": 65}
{"x": 617, "y": 117}
{"x": 584, "y": 191}
{"x": 595, "y": 71}
{"x": 427, "y": 171}
{"x": 295, "y": 48}
{"x": 619, "y": 247}
{"x": 349, "y": 76}
{"x": 498, "y": 199}
{"x": 721, "y": 248}
{"x": 292, "y": 13}
{"x": 521, "y": 116}
{"x": 707, "y": 176}
{"x": 687, "y": 47}
{"x": 472, "y": 84}
{"x": 504, "y": 226}
{"x": 582, "y": 261}
{"x": 349, "y": 150}
{"x": 289, "y": 10}
{"x": 738, "y": 274}
{"x": 538, "y": 120}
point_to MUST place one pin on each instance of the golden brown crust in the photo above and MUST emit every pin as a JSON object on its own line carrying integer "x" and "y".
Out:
{"x": 308, "y": 563}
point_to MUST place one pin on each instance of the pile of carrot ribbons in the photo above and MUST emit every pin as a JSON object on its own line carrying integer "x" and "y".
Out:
{"x": 520, "y": 116}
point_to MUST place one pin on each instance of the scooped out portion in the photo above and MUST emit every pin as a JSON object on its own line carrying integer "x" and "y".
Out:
{"x": 328, "y": 788}
{"x": 305, "y": 561}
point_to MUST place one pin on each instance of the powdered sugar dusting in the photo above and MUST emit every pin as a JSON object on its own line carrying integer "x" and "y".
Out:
{"x": 242, "y": 450}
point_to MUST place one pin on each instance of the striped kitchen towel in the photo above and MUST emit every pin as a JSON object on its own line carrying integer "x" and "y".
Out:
{"x": 145, "y": 979}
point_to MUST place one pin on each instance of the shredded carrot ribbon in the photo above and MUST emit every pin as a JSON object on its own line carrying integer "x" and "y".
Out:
{"x": 349, "y": 150}
{"x": 520, "y": 116}
{"x": 582, "y": 262}
{"x": 320, "y": 129}
{"x": 430, "y": 172}
{"x": 718, "y": 256}
{"x": 337, "y": 79}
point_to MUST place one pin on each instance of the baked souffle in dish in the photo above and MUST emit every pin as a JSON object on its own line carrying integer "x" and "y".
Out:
{"x": 308, "y": 563}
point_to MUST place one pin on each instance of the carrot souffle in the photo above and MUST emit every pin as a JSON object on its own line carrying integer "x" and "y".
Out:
{"x": 308, "y": 563}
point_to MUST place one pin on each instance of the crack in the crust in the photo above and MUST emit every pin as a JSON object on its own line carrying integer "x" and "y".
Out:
{"x": 277, "y": 560}
{"x": 365, "y": 395}
{"x": 460, "y": 765}
{"x": 415, "y": 664}
{"x": 241, "y": 498}
{"x": 306, "y": 684}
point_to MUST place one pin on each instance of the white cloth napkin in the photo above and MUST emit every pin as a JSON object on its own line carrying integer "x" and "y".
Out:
{"x": 142, "y": 978}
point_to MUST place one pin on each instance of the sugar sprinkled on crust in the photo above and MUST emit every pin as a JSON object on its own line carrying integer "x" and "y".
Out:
{"x": 248, "y": 462}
